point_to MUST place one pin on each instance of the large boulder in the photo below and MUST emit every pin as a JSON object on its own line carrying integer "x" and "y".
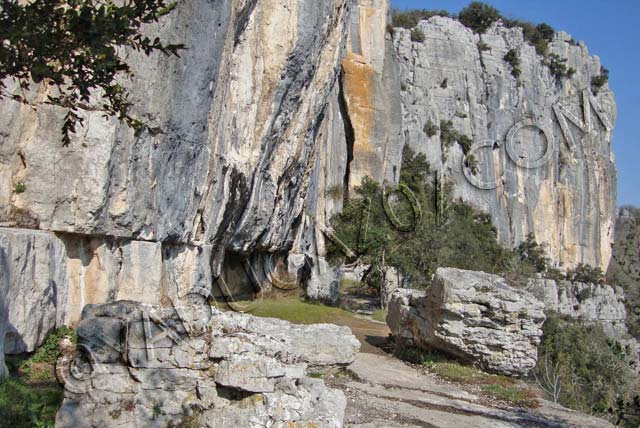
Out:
{"x": 143, "y": 365}
{"x": 474, "y": 316}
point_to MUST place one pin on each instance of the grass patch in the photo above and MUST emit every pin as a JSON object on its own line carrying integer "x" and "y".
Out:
{"x": 25, "y": 405}
{"x": 298, "y": 311}
{"x": 40, "y": 366}
{"x": 380, "y": 315}
{"x": 515, "y": 395}
{"x": 497, "y": 387}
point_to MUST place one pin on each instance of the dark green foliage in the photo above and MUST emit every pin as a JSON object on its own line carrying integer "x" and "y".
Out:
{"x": 77, "y": 46}
{"x": 472, "y": 163}
{"x": 448, "y": 136}
{"x": 444, "y": 83}
{"x": 591, "y": 373}
{"x": 28, "y": 405}
{"x": 597, "y": 82}
{"x": 46, "y": 354}
{"x": 587, "y": 274}
{"x": 558, "y": 66}
{"x": 410, "y": 18}
{"x": 19, "y": 188}
{"x": 513, "y": 59}
{"x": 430, "y": 128}
{"x": 624, "y": 268}
{"x": 446, "y": 233}
{"x": 532, "y": 252}
{"x": 417, "y": 35}
{"x": 479, "y": 16}
{"x": 483, "y": 47}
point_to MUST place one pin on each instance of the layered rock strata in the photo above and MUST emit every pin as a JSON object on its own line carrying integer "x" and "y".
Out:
{"x": 143, "y": 365}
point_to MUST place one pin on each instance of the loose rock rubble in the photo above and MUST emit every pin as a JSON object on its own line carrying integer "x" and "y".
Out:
{"x": 139, "y": 365}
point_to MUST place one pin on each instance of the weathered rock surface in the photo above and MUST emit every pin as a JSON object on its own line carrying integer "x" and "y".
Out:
{"x": 624, "y": 269}
{"x": 153, "y": 366}
{"x": 474, "y": 316}
{"x": 391, "y": 394}
{"x": 542, "y": 144}
{"x": 594, "y": 303}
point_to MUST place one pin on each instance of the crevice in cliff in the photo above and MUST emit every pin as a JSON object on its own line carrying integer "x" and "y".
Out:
{"x": 349, "y": 135}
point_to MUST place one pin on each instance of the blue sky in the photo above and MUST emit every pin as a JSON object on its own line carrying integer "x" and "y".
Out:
{"x": 611, "y": 30}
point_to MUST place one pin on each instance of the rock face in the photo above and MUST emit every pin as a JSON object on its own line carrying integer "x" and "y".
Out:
{"x": 474, "y": 316}
{"x": 624, "y": 269}
{"x": 542, "y": 143}
{"x": 258, "y": 132}
{"x": 149, "y": 366}
{"x": 592, "y": 303}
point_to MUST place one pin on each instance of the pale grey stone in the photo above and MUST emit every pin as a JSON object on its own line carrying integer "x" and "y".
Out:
{"x": 474, "y": 316}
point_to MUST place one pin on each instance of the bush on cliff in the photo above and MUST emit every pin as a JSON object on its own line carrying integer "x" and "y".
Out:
{"x": 410, "y": 18}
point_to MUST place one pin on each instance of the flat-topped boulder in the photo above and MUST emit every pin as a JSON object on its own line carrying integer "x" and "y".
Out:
{"x": 474, "y": 316}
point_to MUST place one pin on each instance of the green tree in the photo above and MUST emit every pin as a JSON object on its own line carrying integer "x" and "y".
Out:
{"x": 75, "y": 46}
{"x": 443, "y": 232}
{"x": 479, "y": 16}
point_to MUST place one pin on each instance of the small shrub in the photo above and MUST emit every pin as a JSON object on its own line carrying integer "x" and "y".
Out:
{"x": 430, "y": 128}
{"x": 444, "y": 83}
{"x": 586, "y": 274}
{"x": 530, "y": 251}
{"x": 557, "y": 66}
{"x": 513, "y": 59}
{"x": 448, "y": 136}
{"x": 335, "y": 192}
{"x": 478, "y": 16}
{"x": 597, "y": 82}
{"x": 461, "y": 115}
{"x": 417, "y": 35}
{"x": 19, "y": 187}
{"x": 472, "y": 163}
{"x": 465, "y": 142}
{"x": 482, "y": 46}
{"x": 410, "y": 18}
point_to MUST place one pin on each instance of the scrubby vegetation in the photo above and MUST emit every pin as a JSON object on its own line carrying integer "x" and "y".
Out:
{"x": 479, "y": 17}
{"x": 409, "y": 19}
{"x": 587, "y": 274}
{"x": 580, "y": 367}
{"x": 513, "y": 59}
{"x": 443, "y": 231}
{"x": 430, "y": 128}
{"x": 335, "y": 192}
{"x": 492, "y": 386}
{"x": 417, "y": 35}
{"x": 32, "y": 395}
{"x": 449, "y": 135}
{"x": 600, "y": 80}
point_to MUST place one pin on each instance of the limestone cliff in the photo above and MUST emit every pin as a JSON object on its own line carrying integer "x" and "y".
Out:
{"x": 276, "y": 109}
{"x": 542, "y": 143}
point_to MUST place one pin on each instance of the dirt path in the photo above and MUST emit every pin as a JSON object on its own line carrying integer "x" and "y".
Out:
{"x": 371, "y": 334}
{"x": 386, "y": 393}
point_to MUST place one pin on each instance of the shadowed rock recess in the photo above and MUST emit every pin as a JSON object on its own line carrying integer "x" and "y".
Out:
{"x": 258, "y": 133}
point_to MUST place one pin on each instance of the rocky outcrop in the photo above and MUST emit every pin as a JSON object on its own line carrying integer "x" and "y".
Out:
{"x": 542, "y": 143}
{"x": 624, "y": 269}
{"x": 142, "y": 365}
{"x": 592, "y": 303}
{"x": 473, "y": 316}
